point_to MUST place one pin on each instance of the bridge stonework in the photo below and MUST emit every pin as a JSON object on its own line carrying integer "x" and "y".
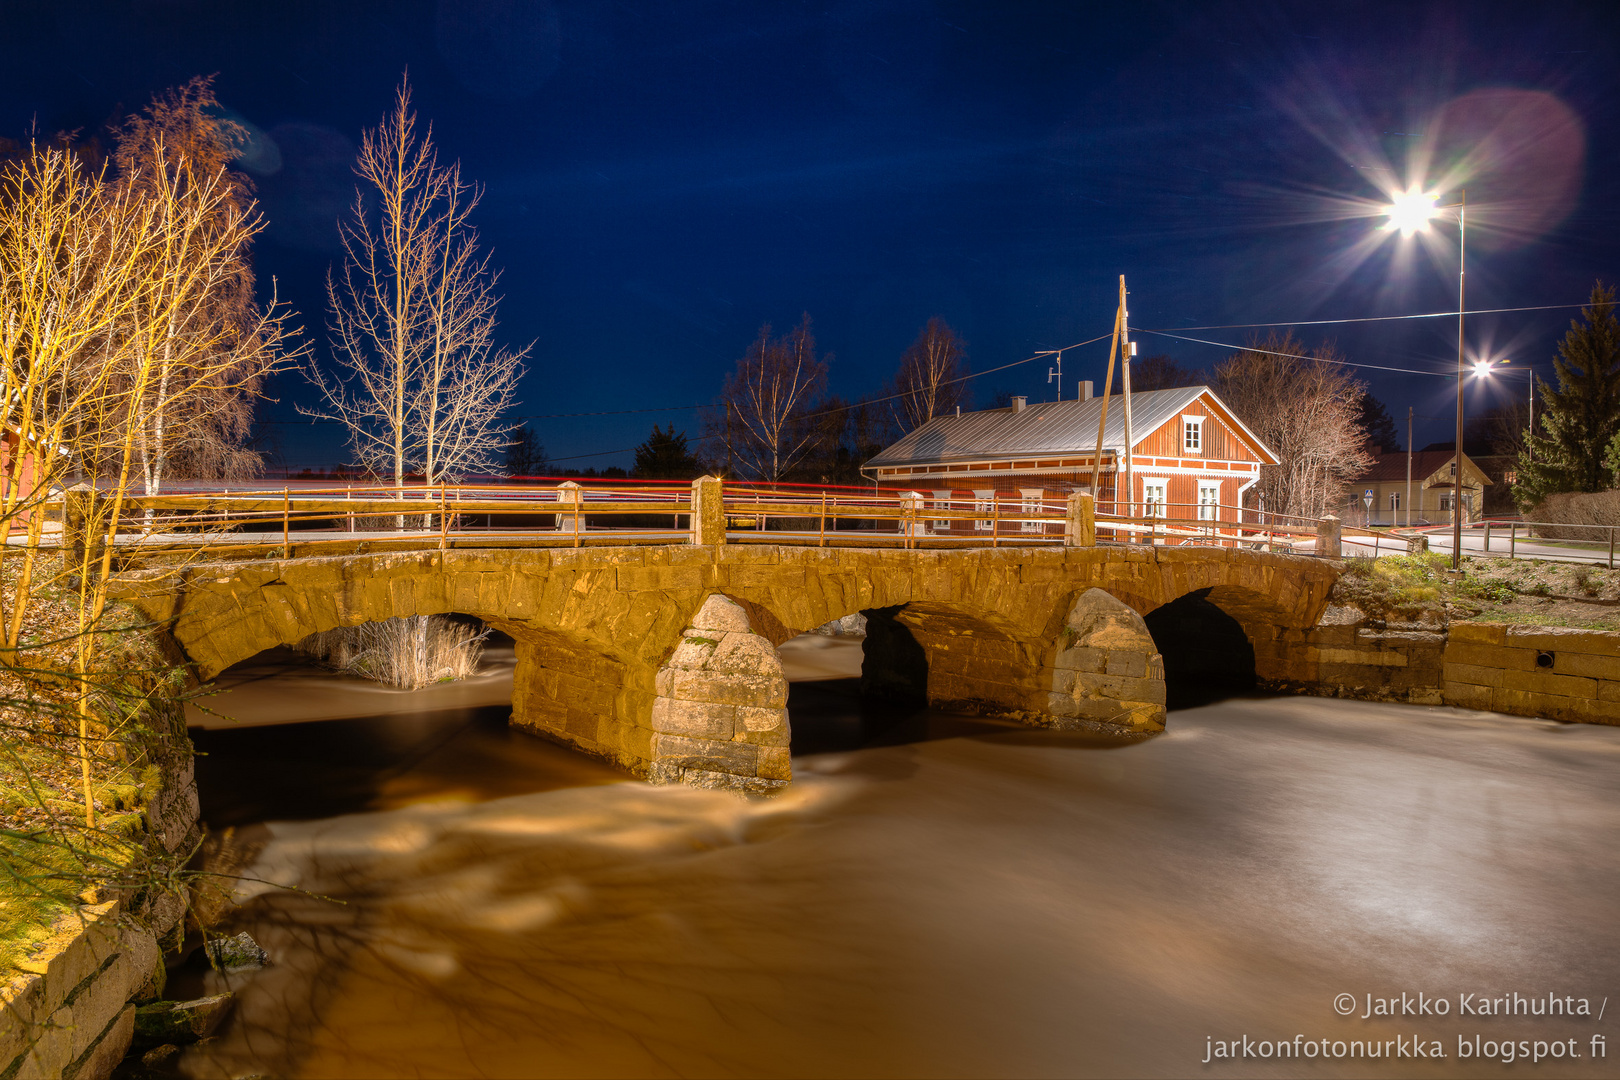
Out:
{"x": 662, "y": 659}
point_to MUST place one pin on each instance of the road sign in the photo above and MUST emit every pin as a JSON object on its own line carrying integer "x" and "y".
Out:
{"x": 1367, "y": 497}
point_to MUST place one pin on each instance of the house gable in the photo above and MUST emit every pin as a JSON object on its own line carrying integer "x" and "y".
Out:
{"x": 1223, "y": 437}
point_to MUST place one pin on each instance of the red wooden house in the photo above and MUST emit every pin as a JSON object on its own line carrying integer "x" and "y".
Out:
{"x": 1191, "y": 458}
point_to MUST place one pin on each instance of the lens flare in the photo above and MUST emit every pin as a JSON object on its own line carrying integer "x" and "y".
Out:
{"x": 1411, "y": 211}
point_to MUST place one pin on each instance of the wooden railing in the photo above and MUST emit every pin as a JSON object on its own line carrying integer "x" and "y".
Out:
{"x": 312, "y": 521}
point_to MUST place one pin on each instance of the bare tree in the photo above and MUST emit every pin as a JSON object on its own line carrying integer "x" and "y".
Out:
{"x": 96, "y": 283}
{"x": 765, "y": 402}
{"x": 1305, "y": 407}
{"x": 421, "y": 386}
{"x": 932, "y": 379}
{"x": 176, "y": 155}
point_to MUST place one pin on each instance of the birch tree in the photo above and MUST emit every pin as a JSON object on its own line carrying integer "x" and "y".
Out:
{"x": 175, "y": 157}
{"x": 766, "y": 399}
{"x": 932, "y": 380}
{"x": 91, "y": 276}
{"x": 419, "y": 383}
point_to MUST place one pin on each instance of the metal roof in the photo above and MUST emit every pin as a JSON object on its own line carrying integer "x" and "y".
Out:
{"x": 1056, "y": 427}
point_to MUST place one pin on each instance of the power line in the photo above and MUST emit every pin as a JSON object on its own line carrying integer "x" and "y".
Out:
{"x": 1386, "y": 318}
{"x": 1296, "y": 356}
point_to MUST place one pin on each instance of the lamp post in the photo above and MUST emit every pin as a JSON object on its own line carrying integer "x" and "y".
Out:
{"x": 1411, "y": 212}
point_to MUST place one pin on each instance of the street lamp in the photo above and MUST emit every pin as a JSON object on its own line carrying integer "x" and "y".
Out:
{"x": 1411, "y": 212}
{"x": 1486, "y": 368}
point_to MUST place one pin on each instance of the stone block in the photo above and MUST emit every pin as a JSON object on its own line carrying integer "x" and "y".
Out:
{"x": 1564, "y": 639}
{"x": 774, "y": 763}
{"x": 769, "y": 691}
{"x": 1062, "y": 704}
{"x": 1363, "y": 657}
{"x": 738, "y": 759}
{"x": 1466, "y": 695}
{"x": 693, "y": 653}
{"x": 108, "y": 1050}
{"x": 723, "y": 614}
{"x": 745, "y": 654}
{"x": 752, "y": 718}
{"x": 1588, "y": 664}
{"x": 1127, "y": 662}
{"x": 1472, "y": 673}
{"x": 1491, "y": 656}
{"x": 1608, "y": 690}
{"x": 695, "y": 718}
{"x": 1546, "y": 682}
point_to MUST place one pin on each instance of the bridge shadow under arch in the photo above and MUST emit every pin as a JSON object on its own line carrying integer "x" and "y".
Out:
{"x": 1208, "y": 654}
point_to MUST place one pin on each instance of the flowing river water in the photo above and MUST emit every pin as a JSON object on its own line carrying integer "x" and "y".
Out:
{"x": 933, "y": 896}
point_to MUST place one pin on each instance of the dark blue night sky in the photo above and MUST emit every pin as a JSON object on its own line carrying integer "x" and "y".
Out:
{"x": 664, "y": 177}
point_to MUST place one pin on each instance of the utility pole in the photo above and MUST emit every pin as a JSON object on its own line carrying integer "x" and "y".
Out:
{"x": 1125, "y": 381}
{"x": 1409, "y": 466}
{"x": 1102, "y": 421}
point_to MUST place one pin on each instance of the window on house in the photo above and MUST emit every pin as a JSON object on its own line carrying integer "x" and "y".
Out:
{"x": 1030, "y": 505}
{"x": 1394, "y": 501}
{"x": 984, "y": 502}
{"x": 1511, "y": 476}
{"x": 1445, "y": 504}
{"x": 1153, "y": 498}
{"x": 1192, "y": 434}
{"x": 942, "y": 502}
{"x": 1209, "y": 499}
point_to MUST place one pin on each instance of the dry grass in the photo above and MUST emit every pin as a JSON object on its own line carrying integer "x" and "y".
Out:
{"x": 408, "y": 653}
{"x": 1490, "y": 590}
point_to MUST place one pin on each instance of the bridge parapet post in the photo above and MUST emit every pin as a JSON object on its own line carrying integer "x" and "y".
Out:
{"x": 708, "y": 511}
{"x": 1417, "y": 544}
{"x": 570, "y": 496}
{"x": 912, "y": 524}
{"x": 1328, "y": 538}
{"x": 1080, "y": 525}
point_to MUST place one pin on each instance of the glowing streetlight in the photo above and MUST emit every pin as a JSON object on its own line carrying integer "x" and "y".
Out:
{"x": 1410, "y": 212}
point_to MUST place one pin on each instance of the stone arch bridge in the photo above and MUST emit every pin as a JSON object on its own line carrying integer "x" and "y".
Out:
{"x": 663, "y": 659}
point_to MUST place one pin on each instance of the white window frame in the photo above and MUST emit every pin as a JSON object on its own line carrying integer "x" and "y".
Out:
{"x": 1209, "y": 510}
{"x": 1150, "y": 508}
{"x": 1192, "y": 434}
{"x": 1030, "y": 503}
{"x": 942, "y": 501}
{"x": 984, "y": 502}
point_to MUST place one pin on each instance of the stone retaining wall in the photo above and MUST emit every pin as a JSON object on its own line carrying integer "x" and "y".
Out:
{"x": 1548, "y": 671}
{"x": 1551, "y": 672}
{"x": 70, "y": 1010}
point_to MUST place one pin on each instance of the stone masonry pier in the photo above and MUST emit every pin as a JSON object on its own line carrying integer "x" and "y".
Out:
{"x": 663, "y": 659}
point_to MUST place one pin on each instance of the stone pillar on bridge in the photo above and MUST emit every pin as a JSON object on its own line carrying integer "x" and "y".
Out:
{"x": 720, "y": 717}
{"x": 569, "y": 496}
{"x": 1328, "y": 542}
{"x": 708, "y": 511}
{"x": 1417, "y": 543}
{"x": 1108, "y": 674}
{"x": 912, "y": 502}
{"x": 1080, "y": 526}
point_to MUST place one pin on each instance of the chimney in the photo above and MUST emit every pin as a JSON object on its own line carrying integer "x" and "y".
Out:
{"x": 1018, "y": 403}
{"x": 1085, "y": 390}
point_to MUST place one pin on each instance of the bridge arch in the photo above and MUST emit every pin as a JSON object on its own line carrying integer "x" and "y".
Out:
{"x": 596, "y": 626}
